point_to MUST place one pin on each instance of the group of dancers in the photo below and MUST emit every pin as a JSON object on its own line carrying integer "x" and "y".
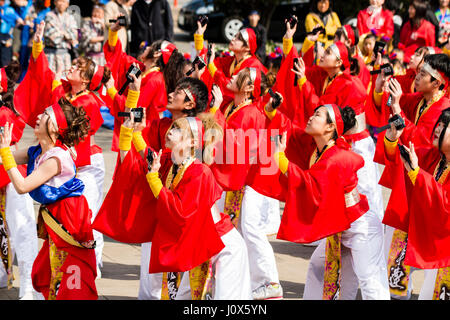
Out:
{"x": 205, "y": 155}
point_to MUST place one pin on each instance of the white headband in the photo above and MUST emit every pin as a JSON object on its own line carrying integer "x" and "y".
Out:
{"x": 194, "y": 129}
{"x": 253, "y": 74}
{"x": 335, "y": 50}
{"x": 189, "y": 94}
{"x": 245, "y": 35}
{"x": 51, "y": 114}
{"x": 331, "y": 113}
{"x": 433, "y": 72}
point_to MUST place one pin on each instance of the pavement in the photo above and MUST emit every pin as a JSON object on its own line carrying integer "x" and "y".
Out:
{"x": 121, "y": 261}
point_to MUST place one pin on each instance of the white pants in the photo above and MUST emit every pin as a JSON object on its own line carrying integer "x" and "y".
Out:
{"x": 21, "y": 221}
{"x": 150, "y": 284}
{"x": 256, "y": 211}
{"x": 231, "y": 272}
{"x": 363, "y": 260}
{"x": 93, "y": 177}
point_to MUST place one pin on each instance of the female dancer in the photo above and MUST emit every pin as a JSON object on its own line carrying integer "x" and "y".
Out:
{"x": 65, "y": 267}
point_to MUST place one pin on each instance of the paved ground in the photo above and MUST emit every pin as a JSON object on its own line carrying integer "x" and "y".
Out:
{"x": 120, "y": 274}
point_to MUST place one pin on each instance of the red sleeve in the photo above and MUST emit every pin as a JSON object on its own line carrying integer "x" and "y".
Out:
{"x": 34, "y": 93}
{"x": 128, "y": 210}
{"x": 298, "y": 103}
{"x": 315, "y": 205}
{"x": 429, "y": 227}
{"x": 186, "y": 235}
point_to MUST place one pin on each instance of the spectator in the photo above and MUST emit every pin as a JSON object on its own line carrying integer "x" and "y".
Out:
{"x": 151, "y": 20}
{"x": 93, "y": 36}
{"x": 417, "y": 31}
{"x": 253, "y": 22}
{"x": 322, "y": 14}
{"x": 36, "y": 14}
{"x": 8, "y": 20}
{"x": 113, "y": 9}
{"x": 20, "y": 37}
{"x": 443, "y": 16}
{"x": 60, "y": 36}
{"x": 377, "y": 20}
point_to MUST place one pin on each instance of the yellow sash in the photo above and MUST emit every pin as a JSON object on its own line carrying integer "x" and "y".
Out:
{"x": 57, "y": 259}
{"x": 442, "y": 284}
{"x": 333, "y": 263}
{"x": 233, "y": 203}
{"x": 200, "y": 280}
{"x": 398, "y": 272}
{"x": 5, "y": 245}
{"x": 58, "y": 228}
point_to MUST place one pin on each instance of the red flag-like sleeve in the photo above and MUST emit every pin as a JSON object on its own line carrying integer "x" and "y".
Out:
{"x": 128, "y": 211}
{"x": 397, "y": 213}
{"x": 34, "y": 93}
{"x": 429, "y": 227}
{"x": 186, "y": 236}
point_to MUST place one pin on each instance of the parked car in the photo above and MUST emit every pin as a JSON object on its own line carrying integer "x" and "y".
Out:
{"x": 223, "y": 26}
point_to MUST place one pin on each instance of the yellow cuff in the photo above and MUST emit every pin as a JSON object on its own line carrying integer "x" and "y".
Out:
{"x": 272, "y": 114}
{"x": 301, "y": 82}
{"x": 198, "y": 41}
{"x": 138, "y": 141}
{"x": 212, "y": 69}
{"x": 7, "y": 158}
{"x": 390, "y": 146}
{"x": 112, "y": 92}
{"x": 377, "y": 97}
{"x": 113, "y": 36}
{"x": 154, "y": 182}
{"x": 213, "y": 110}
{"x": 38, "y": 47}
{"x": 413, "y": 175}
{"x": 287, "y": 45}
{"x": 132, "y": 99}
{"x": 446, "y": 51}
{"x": 126, "y": 135}
{"x": 307, "y": 44}
{"x": 56, "y": 84}
{"x": 282, "y": 161}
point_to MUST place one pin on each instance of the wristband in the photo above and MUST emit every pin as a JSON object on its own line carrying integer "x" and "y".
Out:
{"x": 154, "y": 182}
{"x": 212, "y": 69}
{"x": 113, "y": 36}
{"x": 198, "y": 41}
{"x": 138, "y": 141}
{"x": 112, "y": 91}
{"x": 38, "y": 47}
{"x": 282, "y": 161}
{"x": 126, "y": 135}
{"x": 132, "y": 99}
{"x": 7, "y": 158}
{"x": 412, "y": 174}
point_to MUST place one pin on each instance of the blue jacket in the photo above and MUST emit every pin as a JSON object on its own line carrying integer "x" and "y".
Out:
{"x": 8, "y": 18}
